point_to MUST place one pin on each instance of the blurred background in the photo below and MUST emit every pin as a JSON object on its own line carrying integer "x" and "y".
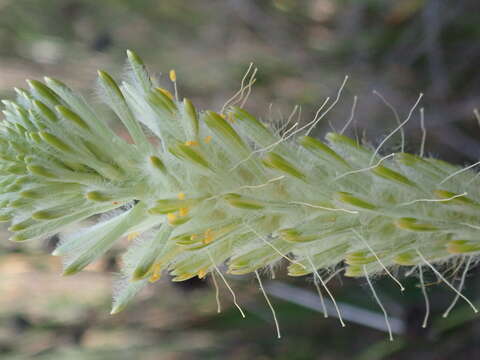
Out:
{"x": 303, "y": 50}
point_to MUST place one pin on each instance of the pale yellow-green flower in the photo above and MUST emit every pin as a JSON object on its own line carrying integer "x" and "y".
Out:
{"x": 218, "y": 187}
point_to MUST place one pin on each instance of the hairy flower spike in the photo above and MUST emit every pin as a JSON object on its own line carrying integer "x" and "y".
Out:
{"x": 215, "y": 187}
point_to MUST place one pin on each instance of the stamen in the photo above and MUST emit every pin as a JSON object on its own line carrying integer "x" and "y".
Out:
{"x": 154, "y": 277}
{"x": 217, "y": 293}
{"x": 155, "y": 273}
{"x": 173, "y": 75}
{"x": 273, "y": 247}
{"x": 458, "y": 172}
{"x": 208, "y": 236}
{"x": 460, "y": 287}
{"x": 171, "y": 217}
{"x": 289, "y": 130}
{"x": 243, "y": 87}
{"x": 173, "y": 78}
{"x": 269, "y": 304}
{"x": 352, "y": 115}
{"x": 425, "y": 296}
{"x": 410, "y": 272}
{"x": 327, "y": 290}
{"x": 424, "y": 131}
{"x": 323, "y": 207}
{"x": 271, "y": 146}
{"x": 239, "y": 91}
{"x": 249, "y": 88}
{"x": 364, "y": 169}
{"x": 335, "y": 273}
{"x": 289, "y": 119}
{"x": 226, "y": 284}
{"x": 322, "y": 301}
{"x": 339, "y": 93}
{"x": 395, "y": 114}
{"x": 133, "y": 235}
{"x": 396, "y": 129}
{"x": 379, "y": 303}
{"x": 432, "y": 200}
{"x": 475, "y": 310}
{"x": 378, "y": 259}
{"x": 272, "y": 272}
{"x": 202, "y": 273}
{"x": 258, "y": 186}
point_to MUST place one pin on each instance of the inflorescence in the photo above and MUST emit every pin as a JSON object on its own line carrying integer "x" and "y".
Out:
{"x": 200, "y": 189}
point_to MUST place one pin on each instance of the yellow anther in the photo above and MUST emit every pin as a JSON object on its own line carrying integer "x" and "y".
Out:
{"x": 154, "y": 277}
{"x": 202, "y": 273}
{"x": 133, "y": 235}
{"x": 166, "y": 93}
{"x": 191, "y": 143}
{"x": 208, "y": 236}
{"x": 183, "y": 211}
{"x": 171, "y": 217}
{"x": 173, "y": 75}
{"x": 223, "y": 116}
{"x": 208, "y": 139}
{"x": 181, "y": 196}
{"x": 155, "y": 273}
{"x": 193, "y": 237}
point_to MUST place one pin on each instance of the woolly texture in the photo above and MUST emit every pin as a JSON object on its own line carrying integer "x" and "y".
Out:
{"x": 210, "y": 188}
